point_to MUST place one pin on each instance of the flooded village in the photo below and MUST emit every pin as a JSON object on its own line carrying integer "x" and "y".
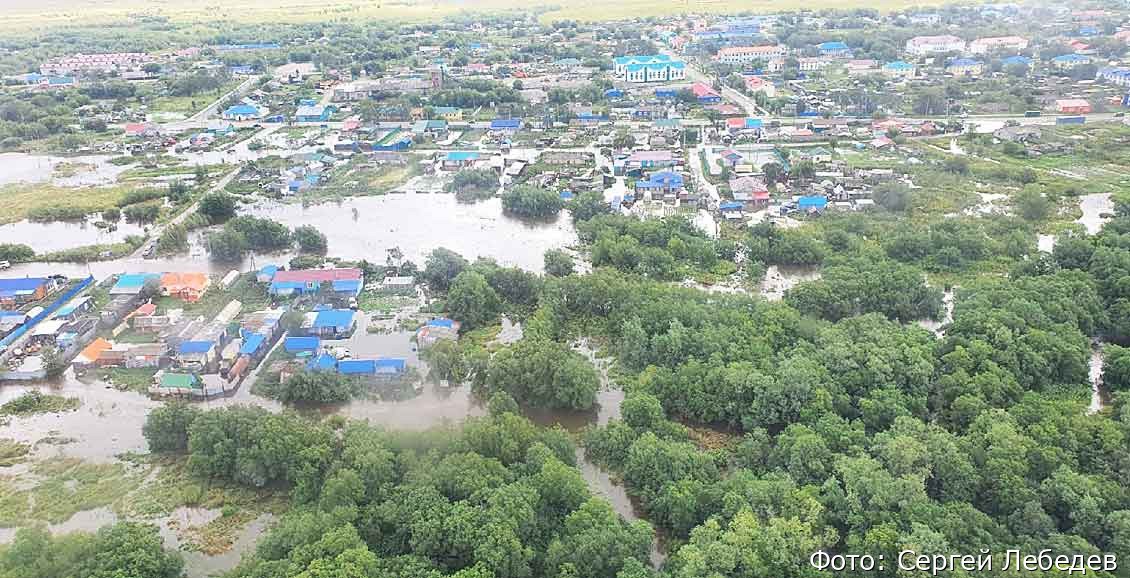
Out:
{"x": 773, "y": 229}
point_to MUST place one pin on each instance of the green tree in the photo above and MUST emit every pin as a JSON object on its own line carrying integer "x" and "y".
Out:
{"x": 532, "y": 202}
{"x": 310, "y": 240}
{"x": 472, "y": 301}
{"x": 442, "y": 267}
{"x": 217, "y": 207}
{"x": 166, "y": 427}
{"x": 558, "y": 263}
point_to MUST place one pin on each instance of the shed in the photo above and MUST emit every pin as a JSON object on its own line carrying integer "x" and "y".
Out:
{"x": 299, "y": 345}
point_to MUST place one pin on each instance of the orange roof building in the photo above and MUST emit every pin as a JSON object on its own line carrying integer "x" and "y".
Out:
{"x": 90, "y": 354}
{"x": 187, "y": 286}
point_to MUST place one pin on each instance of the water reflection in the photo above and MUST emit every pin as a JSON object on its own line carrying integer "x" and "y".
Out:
{"x": 60, "y": 235}
{"x": 89, "y": 170}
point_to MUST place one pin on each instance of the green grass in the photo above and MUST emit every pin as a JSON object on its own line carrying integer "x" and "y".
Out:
{"x": 131, "y": 379}
{"x": 35, "y": 402}
{"x": 12, "y": 452}
{"x": 19, "y": 199}
{"x": 370, "y": 301}
{"x": 63, "y": 487}
{"x": 252, "y": 295}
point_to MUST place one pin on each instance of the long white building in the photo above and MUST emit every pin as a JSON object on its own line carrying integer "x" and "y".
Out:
{"x": 927, "y": 45}
{"x": 998, "y": 43}
{"x": 747, "y": 54}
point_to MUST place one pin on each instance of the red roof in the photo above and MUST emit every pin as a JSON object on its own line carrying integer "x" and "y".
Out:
{"x": 319, "y": 275}
{"x": 700, "y": 90}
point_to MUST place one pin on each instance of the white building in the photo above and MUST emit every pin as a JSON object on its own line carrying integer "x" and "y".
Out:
{"x": 926, "y": 45}
{"x": 747, "y": 54}
{"x": 650, "y": 68}
{"x": 998, "y": 43}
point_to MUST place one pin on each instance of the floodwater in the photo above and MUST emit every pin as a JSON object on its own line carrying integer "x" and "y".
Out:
{"x": 419, "y": 223}
{"x": 27, "y": 168}
{"x": 1045, "y": 243}
{"x": 938, "y": 325}
{"x": 1099, "y": 395}
{"x": 59, "y": 235}
{"x": 778, "y": 280}
{"x": 1094, "y": 207}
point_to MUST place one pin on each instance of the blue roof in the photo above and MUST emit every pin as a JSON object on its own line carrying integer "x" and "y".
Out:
{"x": 269, "y": 271}
{"x": 1016, "y": 60}
{"x": 241, "y": 110}
{"x": 195, "y": 346}
{"x": 832, "y": 46}
{"x": 323, "y": 362}
{"x": 812, "y": 201}
{"x": 389, "y": 365}
{"x": 252, "y": 343}
{"x": 21, "y": 284}
{"x": 730, "y": 206}
{"x": 462, "y": 156}
{"x": 357, "y": 367}
{"x": 132, "y": 280}
{"x": 347, "y": 285}
{"x": 505, "y": 123}
{"x": 293, "y": 344}
{"x": 1069, "y": 58}
{"x": 334, "y": 318}
{"x": 898, "y": 65}
{"x": 566, "y": 195}
{"x": 613, "y": 93}
{"x": 441, "y": 322}
{"x": 964, "y": 62}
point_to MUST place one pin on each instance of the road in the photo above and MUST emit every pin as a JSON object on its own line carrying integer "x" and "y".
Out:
{"x": 201, "y": 117}
{"x": 696, "y": 75}
{"x": 156, "y": 232}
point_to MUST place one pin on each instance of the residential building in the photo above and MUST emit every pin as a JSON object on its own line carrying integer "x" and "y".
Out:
{"x": 864, "y": 66}
{"x": 836, "y": 48}
{"x": 661, "y": 183}
{"x": 747, "y": 54}
{"x": 506, "y": 125}
{"x": 759, "y": 84}
{"x": 454, "y": 160}
{"x": 400, "y": 285}
{"x": 314, "y": 113}
{"x": 346, "y": 281}
{"x": 998, "y": 44}
{"x": 965, "y": 67}
{"x": 448, "y": 113}
{"x": 188, "y": 287}
{"x": 900, "y": 69}
{"x": 89, "y": 63}
{"x": 750, "y": 191}
{"x": 242, "y": 111}
{"x": 639, "y": 160}
{"x": 1066, "y": 61}
{"x": 330, "y": 323}
{"x": 18, "y": 291}
{"x": 735, "y": 125}
{"x": 1072, "y": 106}
{"x": 927, "y": 45}
{"x": 705, "y": 93}
{"x": 1119, "y": 76}
{"x": 435, "y": 330}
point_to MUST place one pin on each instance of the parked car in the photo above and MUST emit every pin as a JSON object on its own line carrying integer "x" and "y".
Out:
{"x": 5, "y": 265}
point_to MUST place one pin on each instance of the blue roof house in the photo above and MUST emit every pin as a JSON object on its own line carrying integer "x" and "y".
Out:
{"x": 1016, "y": 60}
{"x": 812, "y": 203}
{"x": 834, "y": 48}
{"x": 322, "y": 362}
{"x": 242, "y": 111}
{"x": 314, "y": 113}
{"x": 506, "y": 124}
{"x": 661, "y": 182}
{"x": 333, "y": 323}
{"x": 301, "y": 345}
{"x": 1070, "y": 60}
{"x": 459, "y": 159}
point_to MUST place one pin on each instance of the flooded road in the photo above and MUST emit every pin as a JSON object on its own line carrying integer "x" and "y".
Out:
{"x": 60, "y": 235}
{"x": 1099, "y": 395}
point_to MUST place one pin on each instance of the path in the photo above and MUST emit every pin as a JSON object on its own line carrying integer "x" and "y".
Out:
{"x": 200, "y": 118}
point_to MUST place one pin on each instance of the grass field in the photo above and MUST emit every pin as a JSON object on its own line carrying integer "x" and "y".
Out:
{"x": 17, "y": 200}
{"x": 22, "y": 14}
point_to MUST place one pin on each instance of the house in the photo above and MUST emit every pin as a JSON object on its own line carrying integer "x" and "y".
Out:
{"x": 141, "y": 355}
{"x": 1068, "y": 61}
{"x": 302, "y": 346}
{"x": 314, "y": 113}
{"x": 24, "y": 290}
{"x": 448, "y": 113}
{"x": 1018, "y": 133}
{"x": 459, "y": 159}
{"x": 705, "y": 94}
{"x": 649, "y": 68}
{"x": 75, "y": 308}
{"x": 177, "y": 384}
{"x": 861, "y": 66}
{"x": 735, "y": 125}
{"x": 750, "y": 191}
{"x": 965, "y": 67}
{"x": 185, "y": 286}
{"x": 900, "y": 69}
{"x": 197, "y": 354}
{"x": 1118, "y": 76}
{"x": 142, "y": 129}
{"x": 639, "y": 160}
{"x": 748, "y": 54}
{"x": 834, "y": 48}
{"x": 435, "y": 127}
{"x": 927, "y": 45}
{"x": 566, "y": 158}
{"x": 242, "y": 111}
{"x": 346, "y": 281}
{"x": 662, "y": 182}
{"x": 1072, "y": 106}
{"x": 506, "y": 125}
{"x": 812, "y": 203}
{"x": 1016, "y": 60}
{"x": 816, "y": 155}
{"x": 400, "y": 285}
{"x": 266, "y": 274}
{"x": 759, "y": 84}
{"x": 90, "y": 354}
{"x": 330, "y": 323}
{"x": 998, "y": 44}
{"x": 730, "y": 157}
{"x": 435, "y": 330}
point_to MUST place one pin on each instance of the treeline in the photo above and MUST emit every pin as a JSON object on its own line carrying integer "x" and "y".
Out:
{"x": 242, "y": 234}
{"x": 496, "y": 498}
